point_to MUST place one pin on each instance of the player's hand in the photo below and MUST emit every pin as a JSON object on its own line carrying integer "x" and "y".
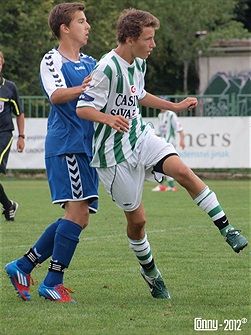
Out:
{"x": 182, "y": 144}
{"x": 20, "y": 144}
{"x": 188, "y": 103}
{"x": 86, "y": 82}
{"x": 118, "y": 122}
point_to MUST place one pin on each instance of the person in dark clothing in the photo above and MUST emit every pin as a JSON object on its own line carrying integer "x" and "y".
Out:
{"x": 9, "y": 103}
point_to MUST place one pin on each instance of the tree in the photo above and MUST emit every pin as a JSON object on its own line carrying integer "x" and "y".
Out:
{"x": 25, "y": 37}
{"x": 183, "y": 19}
{"x": 243, "y": 13}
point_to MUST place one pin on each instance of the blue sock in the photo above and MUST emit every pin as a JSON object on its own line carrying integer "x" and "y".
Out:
{"x": 42, "y": 248}
{"x": 65, "y": 243}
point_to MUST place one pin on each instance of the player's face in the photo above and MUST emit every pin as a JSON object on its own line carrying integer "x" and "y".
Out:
{"x": 143, "y": 46}
{"x": 79, "y": 29}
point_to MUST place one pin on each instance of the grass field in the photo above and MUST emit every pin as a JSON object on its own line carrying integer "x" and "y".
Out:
{"x": 205, "y": 277}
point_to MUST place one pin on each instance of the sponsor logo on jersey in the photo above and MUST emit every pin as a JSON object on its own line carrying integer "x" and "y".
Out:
{"x": 133, "y": 89}
{"x": 125, "y": 100}
{"x": 86, "y": 97}
{"x": 127, "y": 113}
{"x": 80, "y": 67}
{"x": 127, "y": 106}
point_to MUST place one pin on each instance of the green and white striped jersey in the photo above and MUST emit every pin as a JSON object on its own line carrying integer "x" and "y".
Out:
{"x": 115, "y": 89}
{"x": 168, "y": 126}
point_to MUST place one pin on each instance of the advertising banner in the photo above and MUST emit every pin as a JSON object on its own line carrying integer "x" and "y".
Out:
{"x": 33, "y": 155}
{"x": 211, "y": 142}
{"x": 215, "y": 142}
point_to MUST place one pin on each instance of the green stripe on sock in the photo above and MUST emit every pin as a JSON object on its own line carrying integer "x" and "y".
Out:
{"x": 143, "y": 258}
{"x": 215, "y": 211}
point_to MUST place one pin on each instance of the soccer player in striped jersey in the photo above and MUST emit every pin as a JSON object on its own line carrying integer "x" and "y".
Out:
{"x": 68, "y": 152}
{"x": 168, "y": 127}
{"x": 127, "y": 151}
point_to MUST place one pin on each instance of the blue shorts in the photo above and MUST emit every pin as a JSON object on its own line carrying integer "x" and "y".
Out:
{"x": 71, "y": 178}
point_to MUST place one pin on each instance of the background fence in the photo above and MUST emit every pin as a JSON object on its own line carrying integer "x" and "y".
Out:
{"x": 209, "y": 105}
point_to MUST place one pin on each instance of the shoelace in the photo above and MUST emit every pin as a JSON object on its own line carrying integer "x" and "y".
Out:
{"x": 64, "y": 290}
{"x": 233, "y": 233}
{"x": 31, "y": 280}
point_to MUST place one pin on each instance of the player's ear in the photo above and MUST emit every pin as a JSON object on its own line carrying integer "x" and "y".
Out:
{"x": 129, "y": 40}
{"x": 64, "y": 29}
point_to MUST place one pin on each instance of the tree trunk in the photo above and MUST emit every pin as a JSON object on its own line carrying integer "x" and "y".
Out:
{"x": 185, "y": 78}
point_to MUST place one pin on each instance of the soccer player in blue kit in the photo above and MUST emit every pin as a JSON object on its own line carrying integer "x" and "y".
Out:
{"x": 68, "y": 151}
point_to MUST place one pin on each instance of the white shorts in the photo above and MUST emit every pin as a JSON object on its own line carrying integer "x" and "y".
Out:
{"x": 124, "y": 182}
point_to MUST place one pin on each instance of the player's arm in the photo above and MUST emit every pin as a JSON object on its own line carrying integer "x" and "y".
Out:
{"x": 17, "y": 109}
{"x": 118, "y": 122}
{"x": 66, "y": 94}
{"x": 20, "y": 127}
{"x": 91, "y": 103}
{"x": 182, "y": 139}
{"x": 152, "y": 101}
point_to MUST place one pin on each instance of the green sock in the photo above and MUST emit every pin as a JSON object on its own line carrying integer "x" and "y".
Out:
{"x": 171, "y": 183}
{"x": 225, "y": 230}
{"x": 151, "y": 273}
{"x": 143, "y": 253}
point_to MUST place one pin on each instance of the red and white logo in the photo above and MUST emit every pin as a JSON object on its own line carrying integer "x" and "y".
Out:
{"x": 133, "y": 89}
{"x": 1, "y": 106}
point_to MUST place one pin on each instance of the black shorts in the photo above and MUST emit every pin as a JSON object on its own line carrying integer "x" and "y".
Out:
{"x": 6, "y": 139}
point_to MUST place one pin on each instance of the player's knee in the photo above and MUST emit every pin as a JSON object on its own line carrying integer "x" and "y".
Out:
{"x": 138, "y": 223}
{"x": 84, "y": 224}
{"x": 78, "y": 213}
{"x": 84, "y": 218}
{"x": 183, "y": 174}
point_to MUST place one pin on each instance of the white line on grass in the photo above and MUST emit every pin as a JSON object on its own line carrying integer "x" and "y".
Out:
{"x": 94, "y": 238}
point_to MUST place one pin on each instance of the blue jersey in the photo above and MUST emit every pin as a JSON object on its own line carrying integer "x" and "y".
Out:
{"x": 66, "y": 132}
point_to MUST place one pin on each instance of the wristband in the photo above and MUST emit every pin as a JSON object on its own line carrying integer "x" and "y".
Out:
{"x": 23, "y": 136}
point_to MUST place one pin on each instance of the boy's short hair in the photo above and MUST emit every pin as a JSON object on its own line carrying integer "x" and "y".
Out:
{"x": 131, "y": 23}
{"x": 63, "y": 14}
